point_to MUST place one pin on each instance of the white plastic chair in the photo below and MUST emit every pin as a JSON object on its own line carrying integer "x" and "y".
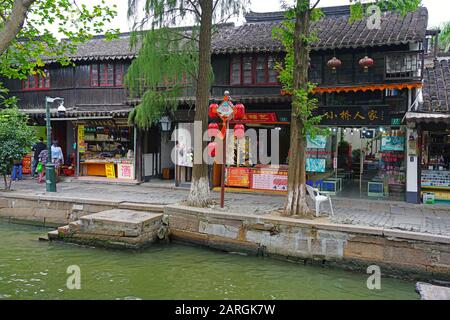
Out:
{"x": 318, "y": 199}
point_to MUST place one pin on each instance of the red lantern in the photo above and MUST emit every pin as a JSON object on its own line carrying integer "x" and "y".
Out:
{"x": 239, "y": 131}
{"x": 239, "y": 112}
{"x": 334, "y": 64}
{"x": 212, "y": 112}
{"x": 212, "y": 149}
{"x": 366, "y": 63}
{"x": 213, "y": 129}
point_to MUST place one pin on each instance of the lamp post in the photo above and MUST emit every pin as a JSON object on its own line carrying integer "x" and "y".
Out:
{"x": 226, "y": 111}
{"x": 166, "y": 124}
{"x": 50, "y": 173}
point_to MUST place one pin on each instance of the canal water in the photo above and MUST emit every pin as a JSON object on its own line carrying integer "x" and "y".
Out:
{"x": 30, "y": 269}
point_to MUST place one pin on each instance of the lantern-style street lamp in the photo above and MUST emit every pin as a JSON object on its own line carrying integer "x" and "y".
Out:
{"x": 226, "y": 111}
{"x": 50, "y": 172}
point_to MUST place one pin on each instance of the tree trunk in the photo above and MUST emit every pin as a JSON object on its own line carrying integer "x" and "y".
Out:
{"x": 296, "y": 204}
{"x": 14, "y": 23}
{"x": 200, "y": 192}
{"x": 6, "y": 182}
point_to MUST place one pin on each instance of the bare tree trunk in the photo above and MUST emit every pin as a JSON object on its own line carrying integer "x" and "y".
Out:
{"x": 14, "y": 23}
{"x": 6, "y": 182}
{"x": 200, "y": 193}
{"x": 296, "y": 204}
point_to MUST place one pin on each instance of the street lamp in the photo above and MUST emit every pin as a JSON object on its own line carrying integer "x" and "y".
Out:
{"x": 166, "y": 124}
{"x": 50, "y": 173}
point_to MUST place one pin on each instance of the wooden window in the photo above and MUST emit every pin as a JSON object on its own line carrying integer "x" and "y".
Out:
{"x": 107, "y": 75}
{"x": 253, "y": 70}
{"x": 236, "y": 71}
{"x": 39, "y": 81}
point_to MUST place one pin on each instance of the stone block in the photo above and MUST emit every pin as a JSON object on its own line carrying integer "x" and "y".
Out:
{"x": 184, "y": 222}
{"x": 220, "y": 230}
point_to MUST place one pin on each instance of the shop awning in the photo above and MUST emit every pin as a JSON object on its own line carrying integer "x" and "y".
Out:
{"x": 428, "y": 117}
{"x": 77, "y": 114}
{"x": 373, "y": 87}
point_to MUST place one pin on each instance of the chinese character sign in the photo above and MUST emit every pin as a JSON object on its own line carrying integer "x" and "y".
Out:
{"x": 354, "y": 115}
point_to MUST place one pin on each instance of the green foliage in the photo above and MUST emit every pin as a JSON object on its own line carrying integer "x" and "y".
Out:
{"x": 35, "y": 41}
{"x": 26, "y": 53}
{"x": 304, "y": 103}
{"x": 159, "y": 75}
{"x": 16, "y": 138}
{"x": 444, "y": 37}
{"x": 168, "y": 54}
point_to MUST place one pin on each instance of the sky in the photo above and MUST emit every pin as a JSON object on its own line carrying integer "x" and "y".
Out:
{"x": 438, "y": 10}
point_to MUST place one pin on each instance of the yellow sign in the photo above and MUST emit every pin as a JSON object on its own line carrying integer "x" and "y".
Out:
{"x": 110, "y": 171}
{"x": 81, "y": 145}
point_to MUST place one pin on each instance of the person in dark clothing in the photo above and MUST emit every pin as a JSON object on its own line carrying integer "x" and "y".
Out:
{"x": 37, "y": 148}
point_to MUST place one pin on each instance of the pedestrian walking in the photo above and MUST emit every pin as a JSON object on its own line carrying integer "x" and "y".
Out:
{"x": 37, "y": 148}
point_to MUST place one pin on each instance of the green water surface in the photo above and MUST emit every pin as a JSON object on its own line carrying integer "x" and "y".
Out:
{"x": 30, "y": 269}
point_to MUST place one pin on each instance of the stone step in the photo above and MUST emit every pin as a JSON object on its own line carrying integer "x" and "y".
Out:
{"x": 432, "y": 292}
{"x": 119, "y": 223}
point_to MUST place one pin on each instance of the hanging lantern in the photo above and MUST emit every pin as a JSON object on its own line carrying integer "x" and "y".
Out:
{"x": 239, "y": 112}
{"x": 212, "y": 149}
{"x": 334, "y": 64}
{"x": 239, "y": 131}
{"x": 212, "y": 111}
{"x": 213, "y": 129}
{"x": 366, "y": 63}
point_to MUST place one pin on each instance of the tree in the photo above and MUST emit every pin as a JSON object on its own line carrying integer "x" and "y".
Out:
{"x": 444, "y": 37}
{"x": 296, "y": 35}
{"x": 25, "y": 37}
{"x": 16, "y": 139}
{"x": 177, "y": 51}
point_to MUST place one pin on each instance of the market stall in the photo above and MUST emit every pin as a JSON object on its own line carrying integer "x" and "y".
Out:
{"x": 106, "y": 149}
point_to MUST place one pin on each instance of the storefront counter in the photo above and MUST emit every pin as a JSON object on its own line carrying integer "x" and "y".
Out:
{"x": 114, "y": 169}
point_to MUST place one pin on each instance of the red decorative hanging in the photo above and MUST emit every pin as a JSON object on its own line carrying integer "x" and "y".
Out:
{"x": 213, "y": 129}
{"x": 212, "y": 111}
{"x": 239, "y": 131}
{"x": 212, "y": 149}
{"x": 334, "y": 64}
{"x": 239, "y": 112}
{"x": 366, "y": 63}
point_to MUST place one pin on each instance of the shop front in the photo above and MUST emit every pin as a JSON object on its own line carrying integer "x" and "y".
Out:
{"x": 106, "y": 149}
{"x": 435, "y": 160}
{"x": 245, "y": 171}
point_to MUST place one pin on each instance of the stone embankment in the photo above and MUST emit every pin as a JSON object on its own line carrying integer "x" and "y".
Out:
{"x": 421, "y": 256}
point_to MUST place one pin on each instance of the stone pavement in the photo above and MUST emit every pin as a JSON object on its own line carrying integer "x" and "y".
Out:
{"x": 383, "y": 214}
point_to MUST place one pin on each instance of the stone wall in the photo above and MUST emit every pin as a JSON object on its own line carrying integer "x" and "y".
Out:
{"x": 57, "y": 211}
{"x": 398, "y": 253}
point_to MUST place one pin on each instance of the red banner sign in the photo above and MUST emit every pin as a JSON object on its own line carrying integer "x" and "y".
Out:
{"x": 260, "y": 118}
{"x": 238, "y": 177}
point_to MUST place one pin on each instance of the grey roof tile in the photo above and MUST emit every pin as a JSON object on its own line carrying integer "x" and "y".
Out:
{"x": 436, "y": 90}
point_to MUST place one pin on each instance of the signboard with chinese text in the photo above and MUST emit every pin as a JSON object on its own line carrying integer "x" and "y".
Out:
{"x": 391, "y": 143}
{"x": 238, "y": 177}
{"x": 354, "y": 115}
{"x": 125, "y": 171}
{"x": 81, "y": 137}
{"x": 318, "y": 142}
{"x": 269, "y": 180}
{"x": 110, "y": 170}
{"x": 260, "y": 118}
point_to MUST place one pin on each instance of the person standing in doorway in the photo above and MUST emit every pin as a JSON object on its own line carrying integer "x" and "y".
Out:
{"x": 37, "y": 148}
{"x": 57, "y": 156}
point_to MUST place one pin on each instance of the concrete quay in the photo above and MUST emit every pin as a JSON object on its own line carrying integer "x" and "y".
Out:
{"x": 116, "y": 228}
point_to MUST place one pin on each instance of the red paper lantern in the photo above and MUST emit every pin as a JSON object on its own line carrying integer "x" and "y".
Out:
{"x": 366, "y": 63}
{"x": 239, "y": 112}
{"x": 212, "y": 149}
{"x": 239, "y": 131}
{"x": 212, "y": 111}
{"x": 334, "y": 64}
{"x": 213, "y": 129}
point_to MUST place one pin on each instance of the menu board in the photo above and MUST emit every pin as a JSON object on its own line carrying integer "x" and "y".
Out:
{"x": 125, "y": 171}
{"x": 238, "y": 177}
{"x": 270, "y": 180}
{"x": 26, "y": 165}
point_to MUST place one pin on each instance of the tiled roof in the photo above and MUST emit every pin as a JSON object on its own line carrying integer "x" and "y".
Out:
{"x": 334, "y": 31}
{"x": 436, "y": 91}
